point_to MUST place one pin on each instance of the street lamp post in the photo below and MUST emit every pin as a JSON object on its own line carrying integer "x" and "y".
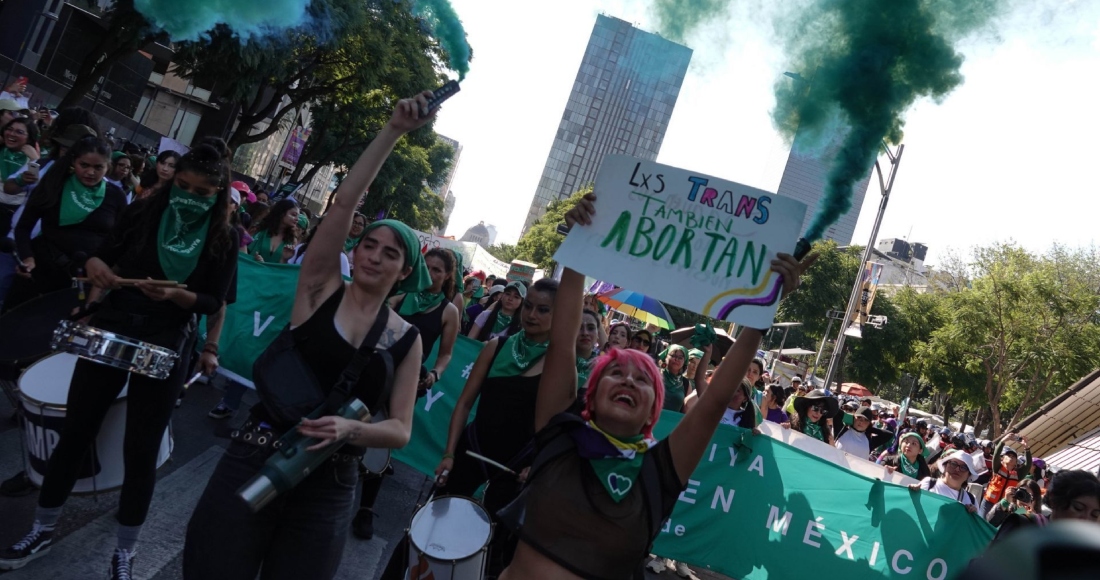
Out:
{"x": 853, "y": 299}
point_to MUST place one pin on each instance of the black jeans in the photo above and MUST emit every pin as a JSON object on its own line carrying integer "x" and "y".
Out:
{"x": 149, "y": 405}
{"x": 300, "y": 534}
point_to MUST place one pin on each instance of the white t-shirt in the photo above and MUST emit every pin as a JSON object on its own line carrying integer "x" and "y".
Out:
{"x": 731, "y": 417}
{"x": 854, "y": 442}
{"x": 941, "y": 488}
{"x": 345, "y": 269}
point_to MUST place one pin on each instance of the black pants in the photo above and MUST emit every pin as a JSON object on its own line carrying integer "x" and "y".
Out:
{"x": 300, "y": 534}
{"x": 149, "y": 404}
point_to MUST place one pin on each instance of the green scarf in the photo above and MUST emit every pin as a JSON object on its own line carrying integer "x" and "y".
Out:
{"x": 350, "y": 243}
{"x": 518, "y": 354}
{"x": 584, "y": 369}
{"x": 419, "y": 302}
{"x": 618, "y": 474}
{"x": 674, "y": 391}
{"x": 813, "y": 430}
{"x": 908, "y": 468}
{"x": 261, "y": 244}
{"x": 182, "y": 232}
{"x": 10, "y": 162}
{"x": 78, "y": 201}
{"x": 502, "y": 322}
{"x": 419, "y": 279}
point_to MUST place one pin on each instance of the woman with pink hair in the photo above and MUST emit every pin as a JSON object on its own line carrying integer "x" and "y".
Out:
{"x": 600, "y": 486}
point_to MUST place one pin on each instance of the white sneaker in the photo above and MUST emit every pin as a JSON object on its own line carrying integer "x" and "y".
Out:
{"x": 682, "y": 570}
{"x": 657, "y": 565}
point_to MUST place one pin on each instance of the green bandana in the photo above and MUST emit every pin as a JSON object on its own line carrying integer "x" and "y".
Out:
{"x": 813, "y": 430}
{"x": 418, "y": 279}
{"x": 261, "y": 244}
{"x": 10, "y": 162}
{"x": 584, "y": 368}
{"x": 908, "y": 468}
{"x": 78, "y": 201}
{"x": 674, "y": 391}
{"x": 518, "y": 354}
{"x": 350, "y": 243}
{"x": 618, "y": 474}
{"x": 419, "y": 302}
{"x": 182, "y": 232}
{"x": 502, "y": 322}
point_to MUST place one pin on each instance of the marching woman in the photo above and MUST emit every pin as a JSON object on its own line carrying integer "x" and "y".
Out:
{"x": 909, "y": 459}
{"x": 581, "y": 512}
{"x": 275, "y": 232}
{"x": 677, "y": 384}
{"x": 178, "y": 233}
{"x": 161, "y": 172}
{"x": 618, "y": 336}
{"x": 433, "y": 314}
{"x": 20, "y": 145}
{"x": 301, "y": 533}
{"x": 503, "y": 318}
{"x": 358, "y": 224}
{"x": 77, "y": 210}
{"x": 812, "y": 413}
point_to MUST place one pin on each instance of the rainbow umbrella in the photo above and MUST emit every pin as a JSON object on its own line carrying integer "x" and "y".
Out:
{"x": 636, "y": 305}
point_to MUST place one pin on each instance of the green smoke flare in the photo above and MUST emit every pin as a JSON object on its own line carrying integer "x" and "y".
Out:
{"x": 677, "y": 18}
{"x": 190, "y": 19}
{"x": 445, "y": 25}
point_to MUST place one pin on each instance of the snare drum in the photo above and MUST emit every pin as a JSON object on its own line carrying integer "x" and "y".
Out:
{"x": 114, "y": 350}
{"x": 44, "y": 390}
{"x": 449, "y": 540}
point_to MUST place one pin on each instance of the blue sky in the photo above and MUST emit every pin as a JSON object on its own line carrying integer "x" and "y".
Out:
{"x": 1007, "y": 155}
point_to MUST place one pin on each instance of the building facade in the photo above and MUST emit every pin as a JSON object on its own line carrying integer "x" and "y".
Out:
{"x": 479, "y": 235}
{"x": 621, "y": 102}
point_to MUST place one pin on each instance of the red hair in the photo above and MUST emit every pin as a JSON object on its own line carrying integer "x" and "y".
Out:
{"x": 625, "y": 356}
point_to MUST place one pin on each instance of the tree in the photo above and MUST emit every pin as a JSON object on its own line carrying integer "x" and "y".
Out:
{"x": 542, "y": 239}
{"x": 503, "y": 252}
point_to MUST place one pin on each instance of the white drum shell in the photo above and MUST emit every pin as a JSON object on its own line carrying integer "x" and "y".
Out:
{"x": 449, "y": 540}
{"x": 44, "y": 389}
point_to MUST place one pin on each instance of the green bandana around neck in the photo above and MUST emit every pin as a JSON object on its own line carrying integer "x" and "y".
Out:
{"x": 813, "y": 430}
{"x": 674, "y": 391}
{"x": 10, "y": 162}
{"x": 182, "y": 232}
{"x": 517, "y": 355}
{"x": 618, "y": 474}
{"x": 502, "y": 322}
{"x": 78, "y": 201}
{"x": 908, "y": 468}
{"x": 419, "y": 279}
{"x": 350, "y": 243}
{"x": 418, "y": 302}
{"x": 584, "y": 369}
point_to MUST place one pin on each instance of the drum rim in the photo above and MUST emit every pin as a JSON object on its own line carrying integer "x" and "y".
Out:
{"x": 473, "y": 554}
{"x": 128, "y": 340}
{"x": 64, "y": 407}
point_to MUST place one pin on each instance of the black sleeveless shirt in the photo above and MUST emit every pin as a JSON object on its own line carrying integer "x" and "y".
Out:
{"x": 430, "y": 326}
{"x": 505, "y": 420}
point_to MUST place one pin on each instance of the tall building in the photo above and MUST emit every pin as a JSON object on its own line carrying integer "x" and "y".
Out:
{"x": 805, "y": 177}
{"x": 445, "y": 185}
{"x": 448, "y": 207}
{"x": 621, "y": 102}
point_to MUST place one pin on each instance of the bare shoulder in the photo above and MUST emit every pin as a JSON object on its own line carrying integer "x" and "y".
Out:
{"x": 396, "y": 328}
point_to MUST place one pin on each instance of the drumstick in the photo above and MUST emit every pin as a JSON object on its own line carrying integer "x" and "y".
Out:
{"x": 135, "y": 282}
{"x": 191, "y": 381}
{"x": 491, "y": 462}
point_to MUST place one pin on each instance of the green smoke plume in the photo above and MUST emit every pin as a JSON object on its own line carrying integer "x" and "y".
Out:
{"x": 440, "y": 16}
{"x": 190, "y": 19}
{"x": 676, "y": 18}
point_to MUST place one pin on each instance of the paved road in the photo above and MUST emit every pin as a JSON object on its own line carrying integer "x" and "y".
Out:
{"x": 86, "y": 531}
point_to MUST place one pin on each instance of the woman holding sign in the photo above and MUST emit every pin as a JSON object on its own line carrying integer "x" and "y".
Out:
{"x": 600, "y": 486}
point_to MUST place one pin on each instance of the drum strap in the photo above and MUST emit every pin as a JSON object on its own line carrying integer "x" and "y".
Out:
{"x": 341, "y": 391}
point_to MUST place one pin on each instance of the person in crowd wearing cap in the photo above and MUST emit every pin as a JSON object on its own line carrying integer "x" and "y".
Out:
{"x": 503, "y": 318}
{"x": 245, "y": 191}
{"x": 618, "y": 336}
{"x": 957, "y": 468}
{"x": 694, "y": 377}
{"x": 9, "y": 109}
{"x": 180, "y": 233}
{"x": 677, "y": 385}
{"x": 161, "y": 171}
{"x": 119, "y": 174}
{"x": 909, "y": 460}
{"x": 773, "y": 405}
{"x": 812, "y": 413}
{"x": 858, "y": 436}
{"x": 275, "y": 232}
{"x": 474, "y": 310}
{"x": 1005, "y": 474}
{"x": 301, "y": 534}
{"x": 800, "y": 390}
{"x": 77, "y": 210}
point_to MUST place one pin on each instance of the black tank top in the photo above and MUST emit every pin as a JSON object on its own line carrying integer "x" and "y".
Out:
{"x": 328, "y": 354}
{"x": 430, "y": 325}
{"x": 505, "y": 420}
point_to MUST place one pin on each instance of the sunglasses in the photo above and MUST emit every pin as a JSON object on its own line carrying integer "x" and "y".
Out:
{"x": 642, "y": 341}
{"x": 818, "y": 408}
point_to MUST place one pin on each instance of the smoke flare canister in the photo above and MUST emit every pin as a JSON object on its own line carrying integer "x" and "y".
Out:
{"x": 292, "y": 462}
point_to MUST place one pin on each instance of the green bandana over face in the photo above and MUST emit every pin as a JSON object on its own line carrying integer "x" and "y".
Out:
{"x": 518, "y": 354}
{"x": 502, "y": 322}
{"x": 78, "y": 201}
{"x": 419, "y": 279}
{"x": 182, "y": 232}
{"x": 619, "y": 473}
{"x": 813, "y": 430}
{"x": 10, "y": 162}
{"x": 419, "y": 302}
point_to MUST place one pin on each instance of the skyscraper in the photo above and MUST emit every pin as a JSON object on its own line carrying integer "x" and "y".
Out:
{"x": 621, "y": 102}
{"x": 445, "y": 185}
{"x": 805, "y": 177}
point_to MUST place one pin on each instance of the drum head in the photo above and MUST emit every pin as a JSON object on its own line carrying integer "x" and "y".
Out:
{"x": 450, "y": 528}
{"x": 26, "y": 330}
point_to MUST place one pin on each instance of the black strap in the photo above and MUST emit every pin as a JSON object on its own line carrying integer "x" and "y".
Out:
{"x": 341, "y": 391}
{"x": 651, "y": 485}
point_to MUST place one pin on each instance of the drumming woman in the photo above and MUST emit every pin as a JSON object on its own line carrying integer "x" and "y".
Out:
{"x": 436, "y": 317}
{"x": 600, "y": 487}
{"x": 301, "y": 533}
{"x": 178, "y": 233}
{"x": 77, "y": 209}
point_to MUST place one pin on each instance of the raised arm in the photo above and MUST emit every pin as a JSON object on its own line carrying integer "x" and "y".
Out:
{"x": 320, "y": 273}
{"x": 700, "y": 377}
{"x": 558, "y": 385}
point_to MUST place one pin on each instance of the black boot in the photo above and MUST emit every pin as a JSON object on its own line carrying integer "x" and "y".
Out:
{"x": 363, "y": 524}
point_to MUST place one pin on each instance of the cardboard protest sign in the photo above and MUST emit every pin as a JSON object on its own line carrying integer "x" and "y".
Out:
{"x": 696, "y": 241}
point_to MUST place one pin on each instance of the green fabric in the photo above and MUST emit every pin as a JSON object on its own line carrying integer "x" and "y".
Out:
{"x": 502, "y": 322}
{"x": 303, "y": 221}
{"x": 912, "y": 435}
{"x": 419, "y": 302}
{"x": 10, "y": 162}
{"x": 584, "y": 369}
{"x": 674, "y": 391}
{"x": 261, "y": 244}
{"x": 703, "y": 336}
{"x": 182, "y": 232}
{"x": 618, "y": 474}
{"x": 350, "y": 243}
{"x": 419, "y": 279}
{"x": 78, "y": 201}
{"x": 459, "y": 266}
{"x": 518, "y": 354}
{"x": 813, "y": 430}
{"x": 909, "y": 468}
{"x": 479, "y": 293}
{"x": 695, "y": 353}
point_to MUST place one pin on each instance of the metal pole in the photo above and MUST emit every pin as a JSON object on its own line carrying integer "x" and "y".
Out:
{"x": 817, "y": 359}
{"x": 782, "y": 343}
{"x": 853, "y": 298}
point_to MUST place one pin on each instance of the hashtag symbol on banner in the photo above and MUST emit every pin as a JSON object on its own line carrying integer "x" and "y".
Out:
{"x": 466, "y": 371}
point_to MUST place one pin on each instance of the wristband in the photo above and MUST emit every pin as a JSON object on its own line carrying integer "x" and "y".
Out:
{"x": 211, "y": 347}
{"x": 448, "y": 456}
{"x": 434, "y": 374}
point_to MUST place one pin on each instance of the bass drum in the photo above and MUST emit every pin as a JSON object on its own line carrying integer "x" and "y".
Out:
{"x": 44, "y": 390}
{"x": 449, "y": 540}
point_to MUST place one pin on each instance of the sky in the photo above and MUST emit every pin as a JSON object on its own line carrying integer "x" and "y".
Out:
{"x": 1003, "y": 157}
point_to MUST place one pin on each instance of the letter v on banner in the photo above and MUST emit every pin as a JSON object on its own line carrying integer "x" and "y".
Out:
{"x": 257, "y": 328}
